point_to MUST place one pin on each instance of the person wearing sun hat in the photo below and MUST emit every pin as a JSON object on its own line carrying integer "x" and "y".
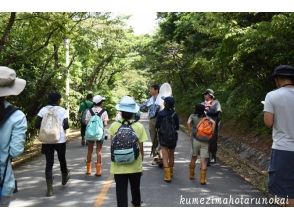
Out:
{"x": 13, "y": 127}
{"x": 278, "y": 115}
{"x": 102, "y": 113}
{"x": 128, "y": 172}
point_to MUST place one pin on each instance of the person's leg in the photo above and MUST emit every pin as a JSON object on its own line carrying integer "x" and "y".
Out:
{"x": 89, "y": 156}
{"x": 61, "y": 150}
{"x": 83, "y": 130}
{"x": 48, "y": 150}
{"x": 166, "y": 168}
{"x": 99, "y": 159}
{"x": 153, "y": 136}
{"x": 192, "y": 165}
{"x": 171, "y": 161}
{"x": 121, "y": 181}
{"x": 203, "y": 164}
{"x": 213, "y": 146}
{"x": 135, "y": 179}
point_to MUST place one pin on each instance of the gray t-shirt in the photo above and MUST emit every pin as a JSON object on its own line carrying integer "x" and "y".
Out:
{"x": 280, "y": 102}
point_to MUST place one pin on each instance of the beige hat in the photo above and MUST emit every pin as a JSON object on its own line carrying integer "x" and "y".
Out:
{"x": 9, "y": 84}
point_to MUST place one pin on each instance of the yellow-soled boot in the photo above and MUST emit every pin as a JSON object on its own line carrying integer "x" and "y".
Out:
{"x": 88, "y": 167}
{"x": 98, "y": 169}
{"x": 203, "y": 176}
{"x": 167, "y": 177}
{"x": 192, "y": 172}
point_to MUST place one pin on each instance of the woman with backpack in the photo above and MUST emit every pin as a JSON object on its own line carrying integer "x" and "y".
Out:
{"x": 52, "y": 120}
{"x": 127, "y": 134}
{"x": 167, "y": 124}
{"x": 199, "y": 146}
{"x": 96, "y": 136}
{"x": 13, "y": 127}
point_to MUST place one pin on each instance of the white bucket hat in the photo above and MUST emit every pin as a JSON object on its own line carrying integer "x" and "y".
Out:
{"x": 127, "y": 104}
{"x": 98, "y": 98}
{"x": 9, "y": 84}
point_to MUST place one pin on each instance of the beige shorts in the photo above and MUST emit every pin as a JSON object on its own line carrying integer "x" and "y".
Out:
{"x": 199, "y": 147}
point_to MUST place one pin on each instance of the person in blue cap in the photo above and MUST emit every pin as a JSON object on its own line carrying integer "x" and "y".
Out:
{"x": 278, "y": 115}
{"x": 132, "y": 171}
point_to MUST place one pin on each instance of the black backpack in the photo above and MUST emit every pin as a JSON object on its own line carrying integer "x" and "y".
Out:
{"x": 125, "y": 145}
{"x": 167, "y": 132}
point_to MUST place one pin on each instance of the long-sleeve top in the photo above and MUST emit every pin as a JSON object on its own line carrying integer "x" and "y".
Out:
{"x": 165, "y": 112}
{"x": 12, "y": 140}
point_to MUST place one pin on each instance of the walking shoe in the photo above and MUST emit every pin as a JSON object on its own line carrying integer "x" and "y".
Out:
{"x": 65, "y": 178}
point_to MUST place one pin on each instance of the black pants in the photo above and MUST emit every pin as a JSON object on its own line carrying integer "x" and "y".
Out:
{"x": 83, "y": 129}
{"x": 213, "y": 143}
{"x": 48, "y": 150}
{"x": 121, "y": 181}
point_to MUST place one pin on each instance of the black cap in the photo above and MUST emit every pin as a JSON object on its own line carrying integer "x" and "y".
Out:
{"x": 169, "y": 101}
{"x": 283, "y": 70}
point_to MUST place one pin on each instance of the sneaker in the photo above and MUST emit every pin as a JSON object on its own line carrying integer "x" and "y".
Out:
{"x": 155, "y": 161}
{"x": 65, "y": 178}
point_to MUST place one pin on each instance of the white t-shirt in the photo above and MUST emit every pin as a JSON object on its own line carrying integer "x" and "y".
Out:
{"x": 97, "y": 109}
{"x": 61, "y": 114}
{"x": 280, "y": 102}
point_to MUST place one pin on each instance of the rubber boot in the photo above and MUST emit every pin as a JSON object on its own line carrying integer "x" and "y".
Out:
{"x": 203, "y": 176}
{"x": 171, "y": 172}
{"x": 65, "y": 178}
{"x": 49, "y": 187}
{"x": 167, "y": 177}
{"x": 98, "y": 169}
{"x": 192, "y": 172}
{"x": 88, "y": 169}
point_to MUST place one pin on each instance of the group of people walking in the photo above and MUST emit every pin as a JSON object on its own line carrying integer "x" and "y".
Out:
{"x": 127, "y": 136}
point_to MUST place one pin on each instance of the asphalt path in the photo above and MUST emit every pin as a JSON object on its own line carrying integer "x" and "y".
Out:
{"x": 224, "y": 187}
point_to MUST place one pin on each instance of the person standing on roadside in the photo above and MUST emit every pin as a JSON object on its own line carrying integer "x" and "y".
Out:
{"x": 13, "y": 127}
{"x": 213, "y": 110}
{"x": 278, "y": 115}
{"x": 153, "y": 108}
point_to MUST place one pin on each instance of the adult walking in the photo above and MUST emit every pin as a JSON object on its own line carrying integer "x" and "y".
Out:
{"x": 13, "y": 127}
{"x": 213, "y": 110}
{"x": 123, "y": 133}
{"x": 53, "y": 120}
{"x": 153, "y": 108}
{"x": 278, "y": 115}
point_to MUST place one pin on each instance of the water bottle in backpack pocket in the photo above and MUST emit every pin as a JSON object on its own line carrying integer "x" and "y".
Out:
{"x": 124, "y": 145}
{"x": 95, "y": 127}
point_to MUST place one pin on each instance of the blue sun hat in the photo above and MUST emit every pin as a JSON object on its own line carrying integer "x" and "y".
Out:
{"x": 127, "y": 104}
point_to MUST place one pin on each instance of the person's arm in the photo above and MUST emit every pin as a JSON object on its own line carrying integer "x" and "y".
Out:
{"x": 18, "y": 137}
{"x": 142, "y": 150}
{"x": 189, "y": 125}
{"x": 65, "y": 124}
{"x": 38, "y": 122}
{"x": 177, "y": 122}
{"x": 158, "y": 122}
{"x": 268, "y": 119}
{"x": 144, "y": 106}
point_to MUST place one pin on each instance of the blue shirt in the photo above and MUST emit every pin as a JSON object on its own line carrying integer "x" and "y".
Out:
{"x": 12, "y": 138}
{"x": 152, "y": 106}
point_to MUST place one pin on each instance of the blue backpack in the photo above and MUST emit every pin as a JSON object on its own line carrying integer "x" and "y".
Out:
{"x": 95, "y": 127}
{"x": 124, "y": 145}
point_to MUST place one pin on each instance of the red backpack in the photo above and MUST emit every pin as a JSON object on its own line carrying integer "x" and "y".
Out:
{"x": 204, "y": 129}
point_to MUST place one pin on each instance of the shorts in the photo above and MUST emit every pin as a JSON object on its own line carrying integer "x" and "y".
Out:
{"x": 97, "y": 142}
{"x": 199, "y": 147}
{"x": 281, "y": 174}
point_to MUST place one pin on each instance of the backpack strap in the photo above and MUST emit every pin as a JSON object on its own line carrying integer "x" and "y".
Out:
{"x": 7, "y": 113}
{"x": 91, "y": 111}
{"x": 101, "y": 112}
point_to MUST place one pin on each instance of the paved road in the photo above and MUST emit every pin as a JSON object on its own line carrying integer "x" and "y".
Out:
{"x": 224, "y": 187}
